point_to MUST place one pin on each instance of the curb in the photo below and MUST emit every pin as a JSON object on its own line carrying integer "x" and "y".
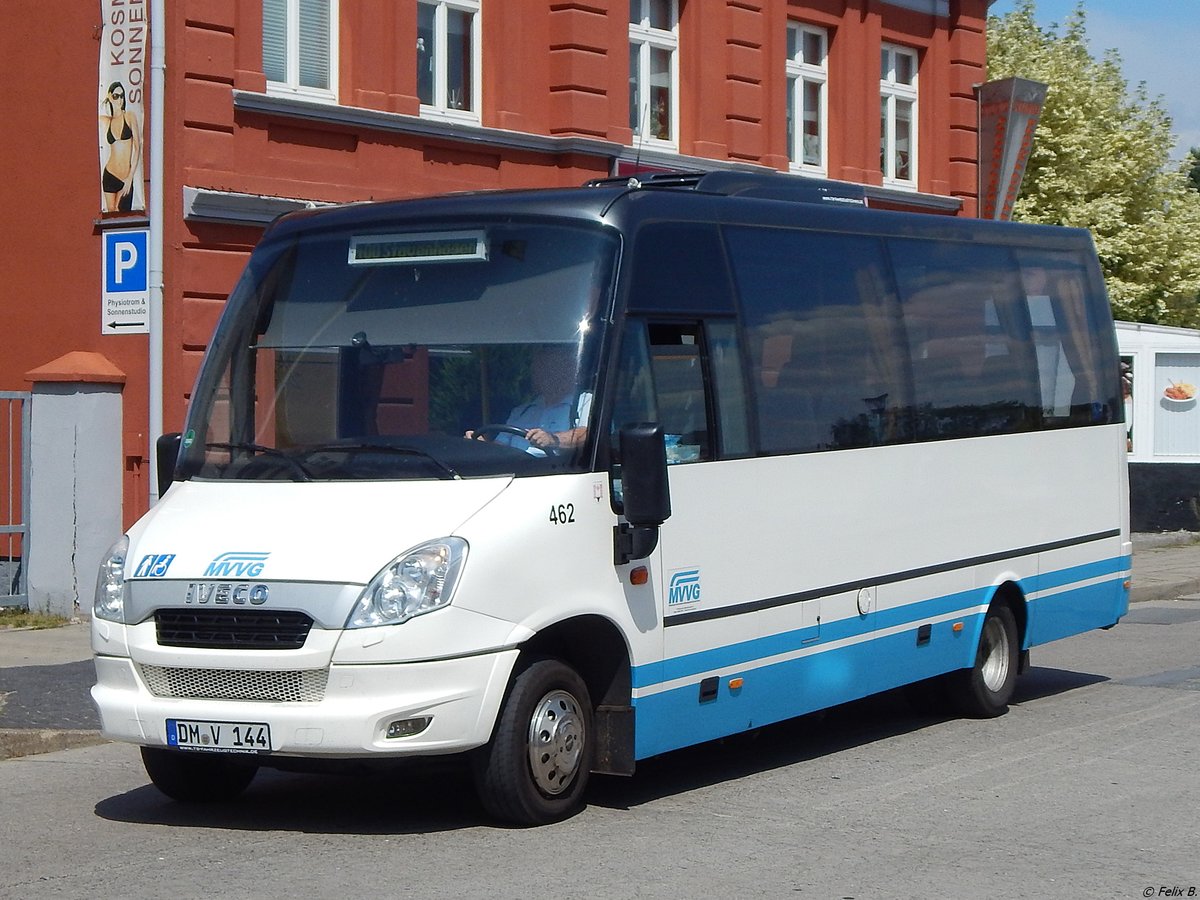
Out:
{"x": 17, "y": 742}
{"x": 1165, "y": 590}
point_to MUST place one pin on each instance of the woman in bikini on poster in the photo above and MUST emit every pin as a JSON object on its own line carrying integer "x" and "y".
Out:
{"x": 123, "y": 136}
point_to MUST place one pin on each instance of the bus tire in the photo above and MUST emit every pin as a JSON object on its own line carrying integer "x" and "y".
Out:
{"x": 196, "y": 777}
{"x": 984, "y": 690}
{"x": 535, "y": 769}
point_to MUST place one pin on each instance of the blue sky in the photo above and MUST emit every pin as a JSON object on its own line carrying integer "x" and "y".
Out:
{"x": 1159, "y": 42}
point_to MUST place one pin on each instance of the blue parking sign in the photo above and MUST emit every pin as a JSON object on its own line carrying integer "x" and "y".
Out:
{"x": 125, "y": 300}
{"x": 126, "y": 268}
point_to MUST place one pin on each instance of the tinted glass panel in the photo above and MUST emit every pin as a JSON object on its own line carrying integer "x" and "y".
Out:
{"x": 725, "y": 361}
{"x": 680, "y": 267}
{"x": 1078, "y": 381}
{"x": 968, "y": 331}
{"x": 378, "y": 352}
{"x": 679, "y": 389}
{"x": 823, "y": 333}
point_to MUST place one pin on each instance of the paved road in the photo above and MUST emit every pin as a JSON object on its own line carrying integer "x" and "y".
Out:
{"x": 1087, "y": 788}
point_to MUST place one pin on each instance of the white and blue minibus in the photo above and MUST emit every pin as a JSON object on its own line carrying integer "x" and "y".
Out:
{"x": 560, "y": 480}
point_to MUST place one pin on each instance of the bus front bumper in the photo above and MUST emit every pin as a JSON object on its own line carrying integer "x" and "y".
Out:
{"x": 460, "y": 697}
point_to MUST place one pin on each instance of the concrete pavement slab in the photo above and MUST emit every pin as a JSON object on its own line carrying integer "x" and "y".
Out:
{"x": 45, "y": 646}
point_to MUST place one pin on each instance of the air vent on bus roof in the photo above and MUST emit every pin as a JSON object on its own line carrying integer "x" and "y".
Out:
{"x": 759, "y": 185}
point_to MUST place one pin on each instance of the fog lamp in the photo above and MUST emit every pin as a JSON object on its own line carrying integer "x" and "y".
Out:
{"x": 403, "y": 728}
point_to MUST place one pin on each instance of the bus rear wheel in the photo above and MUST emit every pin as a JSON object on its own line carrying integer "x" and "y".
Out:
{"x": 985, "y": 690}
{"x": 196, "y": 777}
{"x": 536, "y": 767}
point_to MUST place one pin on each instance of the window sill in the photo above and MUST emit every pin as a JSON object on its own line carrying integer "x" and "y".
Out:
{"x": 315, "y": 95}
{"x": 455, "y": 116}
{"x": 811, "y": 171}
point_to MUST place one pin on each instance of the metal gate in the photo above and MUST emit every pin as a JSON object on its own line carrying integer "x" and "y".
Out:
{"x": 14, "y": 498}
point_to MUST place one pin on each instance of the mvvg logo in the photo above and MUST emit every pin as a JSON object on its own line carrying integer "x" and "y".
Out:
{"x": 684, "y": 588}
{"x": 237, "y": 564}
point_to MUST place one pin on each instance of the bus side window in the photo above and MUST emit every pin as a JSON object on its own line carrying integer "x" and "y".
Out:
{"x": 678, "y": 367}
{"x": 1068, "y": 311}
{"x": 729, "y": 388}
{"x": 827, "y": 367}
{"x": 633, "y": 396}
{"x": 968, "y": 333}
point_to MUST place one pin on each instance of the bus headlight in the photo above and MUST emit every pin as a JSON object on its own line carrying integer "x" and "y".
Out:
{"x": 418, "y": 582}
{"x": 110, "y": 583}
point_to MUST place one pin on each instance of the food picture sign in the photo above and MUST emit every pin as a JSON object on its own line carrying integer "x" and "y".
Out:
{"x": 124, "y": 39}
{"x": 1179, "y": 391}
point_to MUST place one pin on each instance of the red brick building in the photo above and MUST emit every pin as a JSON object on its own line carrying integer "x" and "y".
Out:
{"x": 270, "y": 105}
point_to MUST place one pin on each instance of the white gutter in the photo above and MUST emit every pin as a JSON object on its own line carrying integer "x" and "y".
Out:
{"x": 158, "y": 65}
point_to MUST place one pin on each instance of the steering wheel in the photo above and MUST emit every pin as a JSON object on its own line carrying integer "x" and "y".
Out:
{"x": 490, "y": 431}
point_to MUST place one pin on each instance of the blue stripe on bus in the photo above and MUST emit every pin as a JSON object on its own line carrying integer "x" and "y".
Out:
{"x": 676, "y": 718}
{"x": 826, "y": 677}
{"x": 1074, "y": 574}
{"x": 789, "y": 641}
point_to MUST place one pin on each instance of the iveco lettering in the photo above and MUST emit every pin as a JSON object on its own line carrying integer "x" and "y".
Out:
{"x": 561, "y": 480}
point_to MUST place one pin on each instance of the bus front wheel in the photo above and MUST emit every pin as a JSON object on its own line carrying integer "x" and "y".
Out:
{"x": 535, "y": 769}
{"x": 984, "y": 690}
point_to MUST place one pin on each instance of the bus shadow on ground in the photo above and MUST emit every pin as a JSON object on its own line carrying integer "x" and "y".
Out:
{"x": 437, "y": 795}
{"x": 851, "y": 725}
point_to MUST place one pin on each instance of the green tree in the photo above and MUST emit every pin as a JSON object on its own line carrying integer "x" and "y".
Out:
{"x": 1193, "y": 167}
{"x": 1101, "y": 160}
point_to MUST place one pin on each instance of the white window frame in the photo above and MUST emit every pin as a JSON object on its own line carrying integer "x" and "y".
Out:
{"x": 799, "y": 75}
{"x": 892, "y": 91}
{"x": 645, "y": 38}
{"x": 442, "y": 106}
{"x": 291, "y": 87}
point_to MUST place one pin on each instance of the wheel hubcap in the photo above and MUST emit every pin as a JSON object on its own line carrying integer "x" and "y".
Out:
{"x": 556, "y": 741}
{"x": 995, "y": 652}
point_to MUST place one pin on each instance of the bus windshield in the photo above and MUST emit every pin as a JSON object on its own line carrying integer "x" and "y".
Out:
{"x": 391, "y": 354}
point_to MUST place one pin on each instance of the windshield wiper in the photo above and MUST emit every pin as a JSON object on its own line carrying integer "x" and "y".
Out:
{"x": 368, "y": 447}
{"x": 292, "y": 462}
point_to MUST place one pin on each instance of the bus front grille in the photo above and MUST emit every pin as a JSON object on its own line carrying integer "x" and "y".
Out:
{"x": 225, "y": 629}
{"x": 289, "y": 686}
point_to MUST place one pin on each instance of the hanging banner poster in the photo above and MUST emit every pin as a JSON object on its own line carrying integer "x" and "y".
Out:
{"x": 124, "y": 42}
{"x": 1008, "y": 115}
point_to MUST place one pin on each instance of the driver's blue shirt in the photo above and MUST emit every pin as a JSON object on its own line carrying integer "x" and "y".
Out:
{"x": 554, "y": 417}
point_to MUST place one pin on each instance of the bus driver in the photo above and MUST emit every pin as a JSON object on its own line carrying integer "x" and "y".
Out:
{"x": 550, "y": 421}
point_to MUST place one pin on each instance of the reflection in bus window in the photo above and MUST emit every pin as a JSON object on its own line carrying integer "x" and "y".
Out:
{"x": 679, "y": 391}
{"x": 371, "y": 353}
{"x": 1070, "y": 321}
{"x": 968, "y": 339}
{"x": 822, "y": 327}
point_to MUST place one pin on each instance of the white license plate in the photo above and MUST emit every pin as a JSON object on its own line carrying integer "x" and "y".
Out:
{"x": 225, "y": 737}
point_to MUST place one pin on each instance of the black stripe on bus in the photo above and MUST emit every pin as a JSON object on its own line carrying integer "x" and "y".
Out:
{"x": 702, "y": 615}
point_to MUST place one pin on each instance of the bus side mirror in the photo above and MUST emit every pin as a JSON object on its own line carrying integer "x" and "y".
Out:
{"x": 645, "y": 492}
{"x": 166, "y": 452}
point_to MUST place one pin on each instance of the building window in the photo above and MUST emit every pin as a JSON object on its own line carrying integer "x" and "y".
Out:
{"x": 448, "y": 72}
{"x": 807, "y": 75}
{"x": 898, "y": 115}
{"x": 654, "y": 70}
{"x": 300, "y": 47}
